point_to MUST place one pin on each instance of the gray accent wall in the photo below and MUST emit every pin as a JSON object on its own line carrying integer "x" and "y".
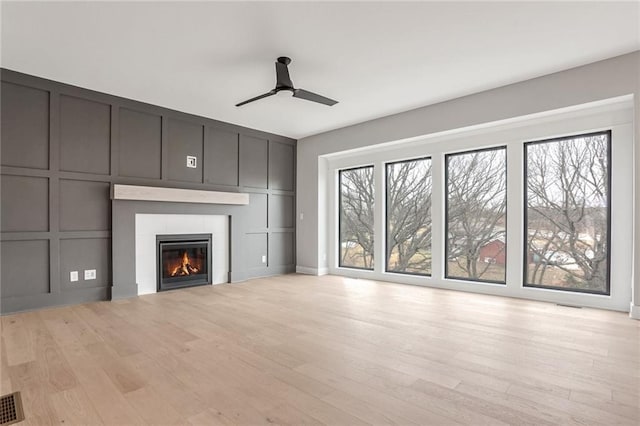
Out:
{"x": 62, "y": 149}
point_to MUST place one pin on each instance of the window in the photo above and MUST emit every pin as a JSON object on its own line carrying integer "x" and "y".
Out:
{"x": 356, "y": 217}
{"x": 476, "y": 207}
{"x": 567, "y": 213}
{"x": 408, "y": 215}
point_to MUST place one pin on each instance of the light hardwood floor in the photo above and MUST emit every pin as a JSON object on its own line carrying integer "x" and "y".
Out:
{"x": 298, "y": 349}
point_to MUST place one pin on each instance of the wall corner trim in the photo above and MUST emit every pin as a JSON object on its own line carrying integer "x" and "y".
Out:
{"x": 634, "y": 311}
{"x": 177, "y": 195}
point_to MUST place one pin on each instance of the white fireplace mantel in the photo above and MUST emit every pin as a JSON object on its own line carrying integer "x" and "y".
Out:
{"x": 177, "y": 195}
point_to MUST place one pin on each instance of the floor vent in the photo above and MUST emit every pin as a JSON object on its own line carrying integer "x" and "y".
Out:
{"x": 11, "y": 409}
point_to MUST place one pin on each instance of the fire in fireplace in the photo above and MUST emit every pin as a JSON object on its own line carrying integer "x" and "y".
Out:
{"x": 183, "y": 260}
{"x": 183, "y": 265}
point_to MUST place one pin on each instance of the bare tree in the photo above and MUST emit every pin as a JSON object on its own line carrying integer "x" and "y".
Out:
{"x": 476, "y": 207}
{"x": 567, "y": 199}
{"x": 356, "y": 217}
{"x": 409, "y": 216}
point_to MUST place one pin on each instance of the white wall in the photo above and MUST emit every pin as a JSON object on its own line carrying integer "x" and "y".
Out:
{"x": 634, "y": 309}
{"x": 602, "y": 80}
{"x": 615, "y": 115}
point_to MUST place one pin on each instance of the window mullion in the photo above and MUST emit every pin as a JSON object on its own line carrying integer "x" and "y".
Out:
{"x": 515, "y": 208}
{"x": 437, "y": 216}
{"x": 379, "y": 217}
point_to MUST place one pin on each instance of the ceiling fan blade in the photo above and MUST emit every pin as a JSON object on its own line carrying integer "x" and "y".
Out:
{"x": 313, "y": 97}
{"x": 282, "y": 75}
{"x": 264, "y": 95}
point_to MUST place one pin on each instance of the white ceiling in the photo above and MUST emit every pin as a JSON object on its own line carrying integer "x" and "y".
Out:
{"x": 375, "y": 58}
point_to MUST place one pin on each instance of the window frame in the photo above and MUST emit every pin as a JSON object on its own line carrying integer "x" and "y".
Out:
{"x": 616, "y": 114}
{"x": 525, "y": 206}
{"x": 446, "y": 214}
{"x": 340, "y": 171}
{"x": 386, "y": 215}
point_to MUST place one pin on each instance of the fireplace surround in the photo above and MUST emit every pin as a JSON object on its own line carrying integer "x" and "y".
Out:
{"x": 183, "y": 260}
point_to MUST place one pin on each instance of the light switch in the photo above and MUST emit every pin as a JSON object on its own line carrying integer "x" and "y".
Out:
{"x": 192, "y": 162}
{"x": 73, "y": 276}
{"x": 90, "y": 274}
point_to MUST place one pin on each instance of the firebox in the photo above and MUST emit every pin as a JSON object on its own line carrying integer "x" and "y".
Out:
{"x": 183, "y": 260}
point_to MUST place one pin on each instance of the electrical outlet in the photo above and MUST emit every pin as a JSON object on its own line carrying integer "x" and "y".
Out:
{"x": 192, "y": 162}
{"x": 264, "y": 259}
{"x": 73, "y": 276}
{"x": 89, "y": 274}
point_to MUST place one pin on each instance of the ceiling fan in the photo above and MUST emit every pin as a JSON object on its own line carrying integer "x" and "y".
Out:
{"x": 283, "y": 82}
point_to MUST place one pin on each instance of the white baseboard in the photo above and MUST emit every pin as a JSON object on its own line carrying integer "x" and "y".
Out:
{"x": 311, "y": 271}
{"x": 634, "y": 311}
